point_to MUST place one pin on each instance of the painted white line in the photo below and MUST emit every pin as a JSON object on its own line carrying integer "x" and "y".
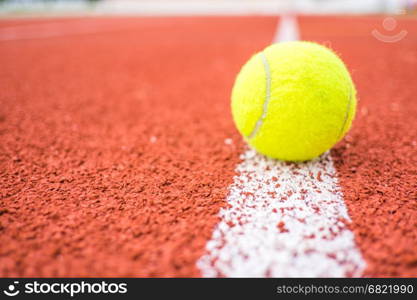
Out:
{"x": 283, "y": 220}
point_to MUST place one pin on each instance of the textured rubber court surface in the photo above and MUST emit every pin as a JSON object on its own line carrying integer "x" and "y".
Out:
{"x": 118, "y": 149}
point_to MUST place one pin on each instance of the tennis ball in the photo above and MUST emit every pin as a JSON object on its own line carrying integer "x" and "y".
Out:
{"x": 293, "y": 101}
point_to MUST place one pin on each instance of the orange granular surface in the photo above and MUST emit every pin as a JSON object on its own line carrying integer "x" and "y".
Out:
{"x": 113, "y": 159}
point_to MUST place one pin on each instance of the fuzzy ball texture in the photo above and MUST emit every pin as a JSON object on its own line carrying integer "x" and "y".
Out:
{"x": 293, "y": 101}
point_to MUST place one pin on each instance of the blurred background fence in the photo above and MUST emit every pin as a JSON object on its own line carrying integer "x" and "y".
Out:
{"x": 206, "y": 7}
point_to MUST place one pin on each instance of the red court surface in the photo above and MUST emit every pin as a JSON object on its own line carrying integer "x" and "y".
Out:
{"x": 377, "y": 162}
{"x": 113, "y": 159}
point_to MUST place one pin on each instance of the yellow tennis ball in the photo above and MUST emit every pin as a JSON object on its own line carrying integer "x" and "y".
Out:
{"x": 293, "y": 101}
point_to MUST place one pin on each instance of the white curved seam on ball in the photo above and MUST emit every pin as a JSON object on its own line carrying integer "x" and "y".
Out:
{"x": 267, "y": 96}
{"x": 346, "y": 114}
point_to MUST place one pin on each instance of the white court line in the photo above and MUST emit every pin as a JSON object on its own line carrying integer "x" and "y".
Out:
{"x": 194, "y": 8}
{"x": 283, "y": 219}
